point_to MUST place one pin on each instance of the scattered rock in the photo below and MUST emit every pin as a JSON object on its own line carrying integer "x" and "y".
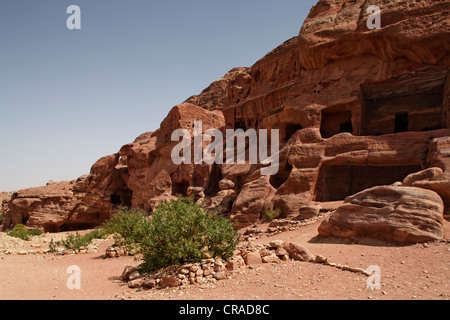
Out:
{"x": 298, "y": 252}
{"x": 309, "y": 211}
{"x": 271, "y": 259}
{"x": 281, "y": 252}
{"x": 321, "y": 259}
{"x": 169, "y": 281}
{"x": 136, "y": 283}
{"x": 235, "y": 263}
{"x": 226, "y": 184}
{"x": 134, "y": 275}
{"x": 395, "y": 214}
{"x": 150, "y": 283}
{"x": 252, "y": 258}
{"x": 220, "y": 275}
{"x": 276, "y": 244}
{"x": 127, "y": 272}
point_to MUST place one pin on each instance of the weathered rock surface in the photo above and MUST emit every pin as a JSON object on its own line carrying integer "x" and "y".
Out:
{"x": 74, "y": 205}
{"x": 388, "y": 213}
{"x": 355, "y": 108}
{"x": 4, "y": 200}
{"x": 298, "y": 252}
{"x": 152, "y": 172}
{"x": 338, "y": 76}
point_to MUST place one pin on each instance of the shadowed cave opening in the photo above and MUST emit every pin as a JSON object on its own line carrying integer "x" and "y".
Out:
{"x": 337, "y": 182}
{"x": 214, "y": 178}
{"x": 180, "y": 188}
{"x": 401, "y": 122}
{"x": 25, "y": 219}
{"x": 74, "y": 227}
{"x": 281, "y": 177}
{"x": 290, "y": 129}
{"x": 335, "y": 122}
{"x": 406, "y": 103}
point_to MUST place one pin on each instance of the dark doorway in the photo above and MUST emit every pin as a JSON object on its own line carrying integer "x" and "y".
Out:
{"x": 337, "y": 182}
{"x": 283, "y": 174}
{"x": 214, "y": 179}
{"x": 240, "y": 125}
{"x": 401, "y": 122}
{"x": 180, "y": 188}
{"x": 346, "y": 127}
{"x": 291, "y": 128}
{"x": 115, "y": 200}
{"x": 122, "y": 199}
{"x": 335, "y": 122}
{"x": 413, "y": 101}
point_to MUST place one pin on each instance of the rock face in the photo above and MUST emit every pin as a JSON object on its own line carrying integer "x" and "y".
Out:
{"x": 298, "y": 252}
{"x": 4, "y": 199}
{"x": 152, "y": 172}
{"x": 355, "y": 108}
{"x": 75, "y": 205}
{"x": 389, "y": 213}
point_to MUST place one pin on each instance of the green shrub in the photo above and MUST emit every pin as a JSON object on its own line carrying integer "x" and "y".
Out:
{"x": 21, "y": 232}
{"x": 180, "y": 232}
{"x": 130, "y": 227}
{"x": 75, "y": 242}
{"x": 270, "y": 215}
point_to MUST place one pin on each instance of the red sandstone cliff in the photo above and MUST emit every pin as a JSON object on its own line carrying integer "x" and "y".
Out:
{"x": 356, "y": 108}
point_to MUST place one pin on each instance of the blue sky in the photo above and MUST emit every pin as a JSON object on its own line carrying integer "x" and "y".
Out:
{"x": 69, "y": 97}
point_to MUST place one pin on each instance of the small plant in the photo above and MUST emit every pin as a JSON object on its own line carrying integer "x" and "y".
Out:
{"x": 75, "y": 242}
{"x": 130, "y": 227}
{"x": 21, "y": 232}
{"x": 52, "y": 246}
{"x": 271, "y": 214}
{"x": 181, "y": 231}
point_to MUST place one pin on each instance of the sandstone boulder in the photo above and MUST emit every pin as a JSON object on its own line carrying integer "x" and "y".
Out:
{"x": 395, "y": 214}
{"x": 252, "y": 258}
{"x": 169, "y": 281}
{"x": 252, "y": 202}
{"x": 226, "y": 184}
{"x": 298, "y": 252}
{"x": 309, "y": 211}
{"x": 153, "y": 203}
{"x": 355, "y": 108}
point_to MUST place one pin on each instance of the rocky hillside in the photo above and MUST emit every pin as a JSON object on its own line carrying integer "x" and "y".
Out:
{"x": 355, "y": 108}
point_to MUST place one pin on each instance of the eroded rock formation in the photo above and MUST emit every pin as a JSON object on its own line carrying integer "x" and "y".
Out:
{"x": 389, "y": 213}
{"x": 355, "y": 108}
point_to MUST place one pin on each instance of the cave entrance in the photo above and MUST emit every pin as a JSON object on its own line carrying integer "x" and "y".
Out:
{"x": 337, "y": 182}
{"x": 25, "y": 219}
{"x": 180, "y": 188}
{"x": 75, "y": 227}
{"x": 335, "y": 122}
{"x": 214, "y": 178}
{"x": 411, "y": 102}
{"x": 240, "y": 125}
{"x": 401, "y": 122}
{"x": 290, "y": 129}
{"x": 281, "y": 177}
{"x": 122, "y": 198}
{"x": 115, "y": 200}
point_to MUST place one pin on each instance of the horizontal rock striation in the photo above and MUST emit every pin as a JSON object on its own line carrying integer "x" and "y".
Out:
{"x": 355, "y": 109}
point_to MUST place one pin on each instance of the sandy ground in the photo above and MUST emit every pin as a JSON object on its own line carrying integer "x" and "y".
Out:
{"x": 412, "y": 272}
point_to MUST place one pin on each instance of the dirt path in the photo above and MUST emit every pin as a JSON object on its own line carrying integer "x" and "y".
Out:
{"x": 413, "y": 272}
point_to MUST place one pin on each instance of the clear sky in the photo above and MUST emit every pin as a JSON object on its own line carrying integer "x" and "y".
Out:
{"x": 69, "y": 97}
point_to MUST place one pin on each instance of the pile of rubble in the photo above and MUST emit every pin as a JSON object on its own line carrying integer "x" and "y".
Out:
{"x": 212, "y": 270}
{"x": 281, "y": 225}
